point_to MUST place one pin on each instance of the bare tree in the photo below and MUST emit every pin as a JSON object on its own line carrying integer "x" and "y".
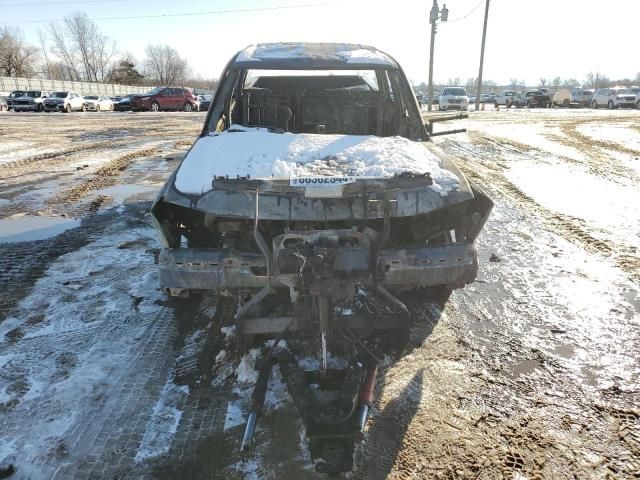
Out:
{"x": 543, "y": 82}
{"x": 570, "y": 82}
{"x": 597, "y": 80}
{"x": 164, "y": 64}
{"x": 514, "y": 83}
{"x": 42, "y": 36}
{"x": 17, "y": 57}
{"x": 472, "y": 83}
{"x": 84, "y": 49}
{"x": 490, "y": 85}
{"x": 64, "y": 52}
{"x": 556, "y": 83}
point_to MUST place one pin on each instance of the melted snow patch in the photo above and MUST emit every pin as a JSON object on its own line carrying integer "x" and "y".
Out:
{"x": 164, "y": 422}
{"x": 242, "y": 151}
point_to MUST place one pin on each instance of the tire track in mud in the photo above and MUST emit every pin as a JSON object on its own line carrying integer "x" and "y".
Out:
{"x": 23, "y": 162}
{"x": 571, "y": 228}
{"x": 570, "y": 129}
{"x": 104, "y": 177}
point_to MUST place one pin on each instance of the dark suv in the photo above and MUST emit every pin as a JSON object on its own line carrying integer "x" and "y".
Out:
{"x": 164, "y": 98}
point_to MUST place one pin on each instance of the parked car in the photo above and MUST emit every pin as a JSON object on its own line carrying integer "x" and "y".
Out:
{"x": 615, "y": 97}
{"x": 164, "y": 98}
{"x": 531, "y": 99}
{"x": 585, "y": 97}
{"x": 30, "y": 101}
{"x": 12, "y": 96}
{"x": 567, "y": 98}
{"x": 97, "y": 103}
{"x": 636, "y": 91}
{"x": 454, "y": 97}
{"x": 485, "y": 98}
{"x": 205, "y": 102}
{"x": 323, "y": 225}
{"x": 123, "y": 104}
{"x": 503, "y": 98}
{"x": 3, "y": 105}
{"x": 64, "y": 102}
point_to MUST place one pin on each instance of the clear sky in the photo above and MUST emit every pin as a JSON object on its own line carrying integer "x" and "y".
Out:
{"x": 525, "y": 39}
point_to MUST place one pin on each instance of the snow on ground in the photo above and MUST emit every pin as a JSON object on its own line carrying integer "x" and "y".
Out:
{"x": 78, "y": 335}
{"x": 534, "y": 134}
{"x": 602, "y": 203}
{"x": 620, "y": 133}
{"x": 261, "y": 154}
{"x": 164, "y": 422}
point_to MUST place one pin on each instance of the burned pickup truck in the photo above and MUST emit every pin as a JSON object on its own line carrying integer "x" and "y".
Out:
{"x": 314, "y": 196}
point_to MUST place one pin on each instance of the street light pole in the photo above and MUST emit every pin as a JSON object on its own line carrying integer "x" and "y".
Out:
{"x": 433, "y": 19}
{"x": 484, "y": 36}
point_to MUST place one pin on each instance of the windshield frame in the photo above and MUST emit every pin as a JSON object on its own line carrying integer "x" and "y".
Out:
{"x": 233, "y": 78}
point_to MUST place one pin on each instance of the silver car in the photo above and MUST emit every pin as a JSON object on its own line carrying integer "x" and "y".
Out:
{"x": 65, "y": 102}
{"x": 98, "y": 103}
{"x": 30, "y": 101}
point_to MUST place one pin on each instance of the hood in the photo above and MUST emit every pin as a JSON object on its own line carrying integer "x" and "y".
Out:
{"x": 306, "y": 159}
{"x": 54, "y": 100}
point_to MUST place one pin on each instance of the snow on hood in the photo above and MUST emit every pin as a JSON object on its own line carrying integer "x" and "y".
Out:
{"x": 260, "y": 154}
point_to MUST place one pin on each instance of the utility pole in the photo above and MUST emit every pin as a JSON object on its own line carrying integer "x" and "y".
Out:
{"x": 484, "y": 36}
{"x": 433, "y": 19}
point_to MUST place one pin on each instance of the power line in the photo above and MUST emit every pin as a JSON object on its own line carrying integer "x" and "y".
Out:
{"x": 467, "y": 14}
{"x": 188, "y": 14}
{"x": 57, "y": 3}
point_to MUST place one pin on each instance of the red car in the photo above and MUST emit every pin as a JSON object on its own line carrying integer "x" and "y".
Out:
{"x": 165, "y": 98}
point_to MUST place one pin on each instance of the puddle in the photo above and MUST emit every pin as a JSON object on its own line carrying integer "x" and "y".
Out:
{"x": 525, "y": 367}
{"x": 27, "y": 229}
{"x": 120, "y": 193}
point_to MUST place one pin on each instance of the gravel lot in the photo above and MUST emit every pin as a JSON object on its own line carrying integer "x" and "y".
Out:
{"x": 531, "y": 372}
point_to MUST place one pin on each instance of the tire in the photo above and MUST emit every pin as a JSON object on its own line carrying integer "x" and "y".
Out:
{"x": 67, "y": 108}
{"x": 111, "y": 107}
{"x": 610, "y": 104}
{"x": 638, "y": 104}
{"x": 594, "y": 105}
{"x": 155, "y": 107}
{"x": 187, "y": 107}
{"x": 39, "y": 108}
{"x": 83, "y": 108}
{"x": 495, "y": 104}
{"x": 97, "y": 108}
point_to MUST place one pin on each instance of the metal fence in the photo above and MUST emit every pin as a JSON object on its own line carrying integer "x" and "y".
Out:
{"x": 9, "y": 84}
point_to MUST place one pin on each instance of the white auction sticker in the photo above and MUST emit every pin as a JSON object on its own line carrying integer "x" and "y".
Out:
{"x": 320, "y": 182}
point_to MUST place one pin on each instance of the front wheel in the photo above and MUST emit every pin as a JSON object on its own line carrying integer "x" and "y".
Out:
{"x": 188, "y": 107}
{"x": 83, "y": 108}
{"x": 67, "y": 108}
{"x": 638, "y": 104}
{"x": 610, "y": 104}
{"x": 97, "y": 108}
{"x": 39, "y": 108}
{"x": 594, "y": 105}
{"x": 155, "y": 107}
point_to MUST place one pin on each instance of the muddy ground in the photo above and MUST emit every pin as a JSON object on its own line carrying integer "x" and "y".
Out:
{"x": 531, "y": 372}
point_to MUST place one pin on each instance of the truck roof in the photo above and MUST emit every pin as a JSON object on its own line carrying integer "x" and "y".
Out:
{"x": 308, "y": 56}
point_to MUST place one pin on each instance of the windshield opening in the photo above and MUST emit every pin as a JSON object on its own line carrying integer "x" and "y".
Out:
{"x": 60, "y": 95}
{"x": 348, "y": 102}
